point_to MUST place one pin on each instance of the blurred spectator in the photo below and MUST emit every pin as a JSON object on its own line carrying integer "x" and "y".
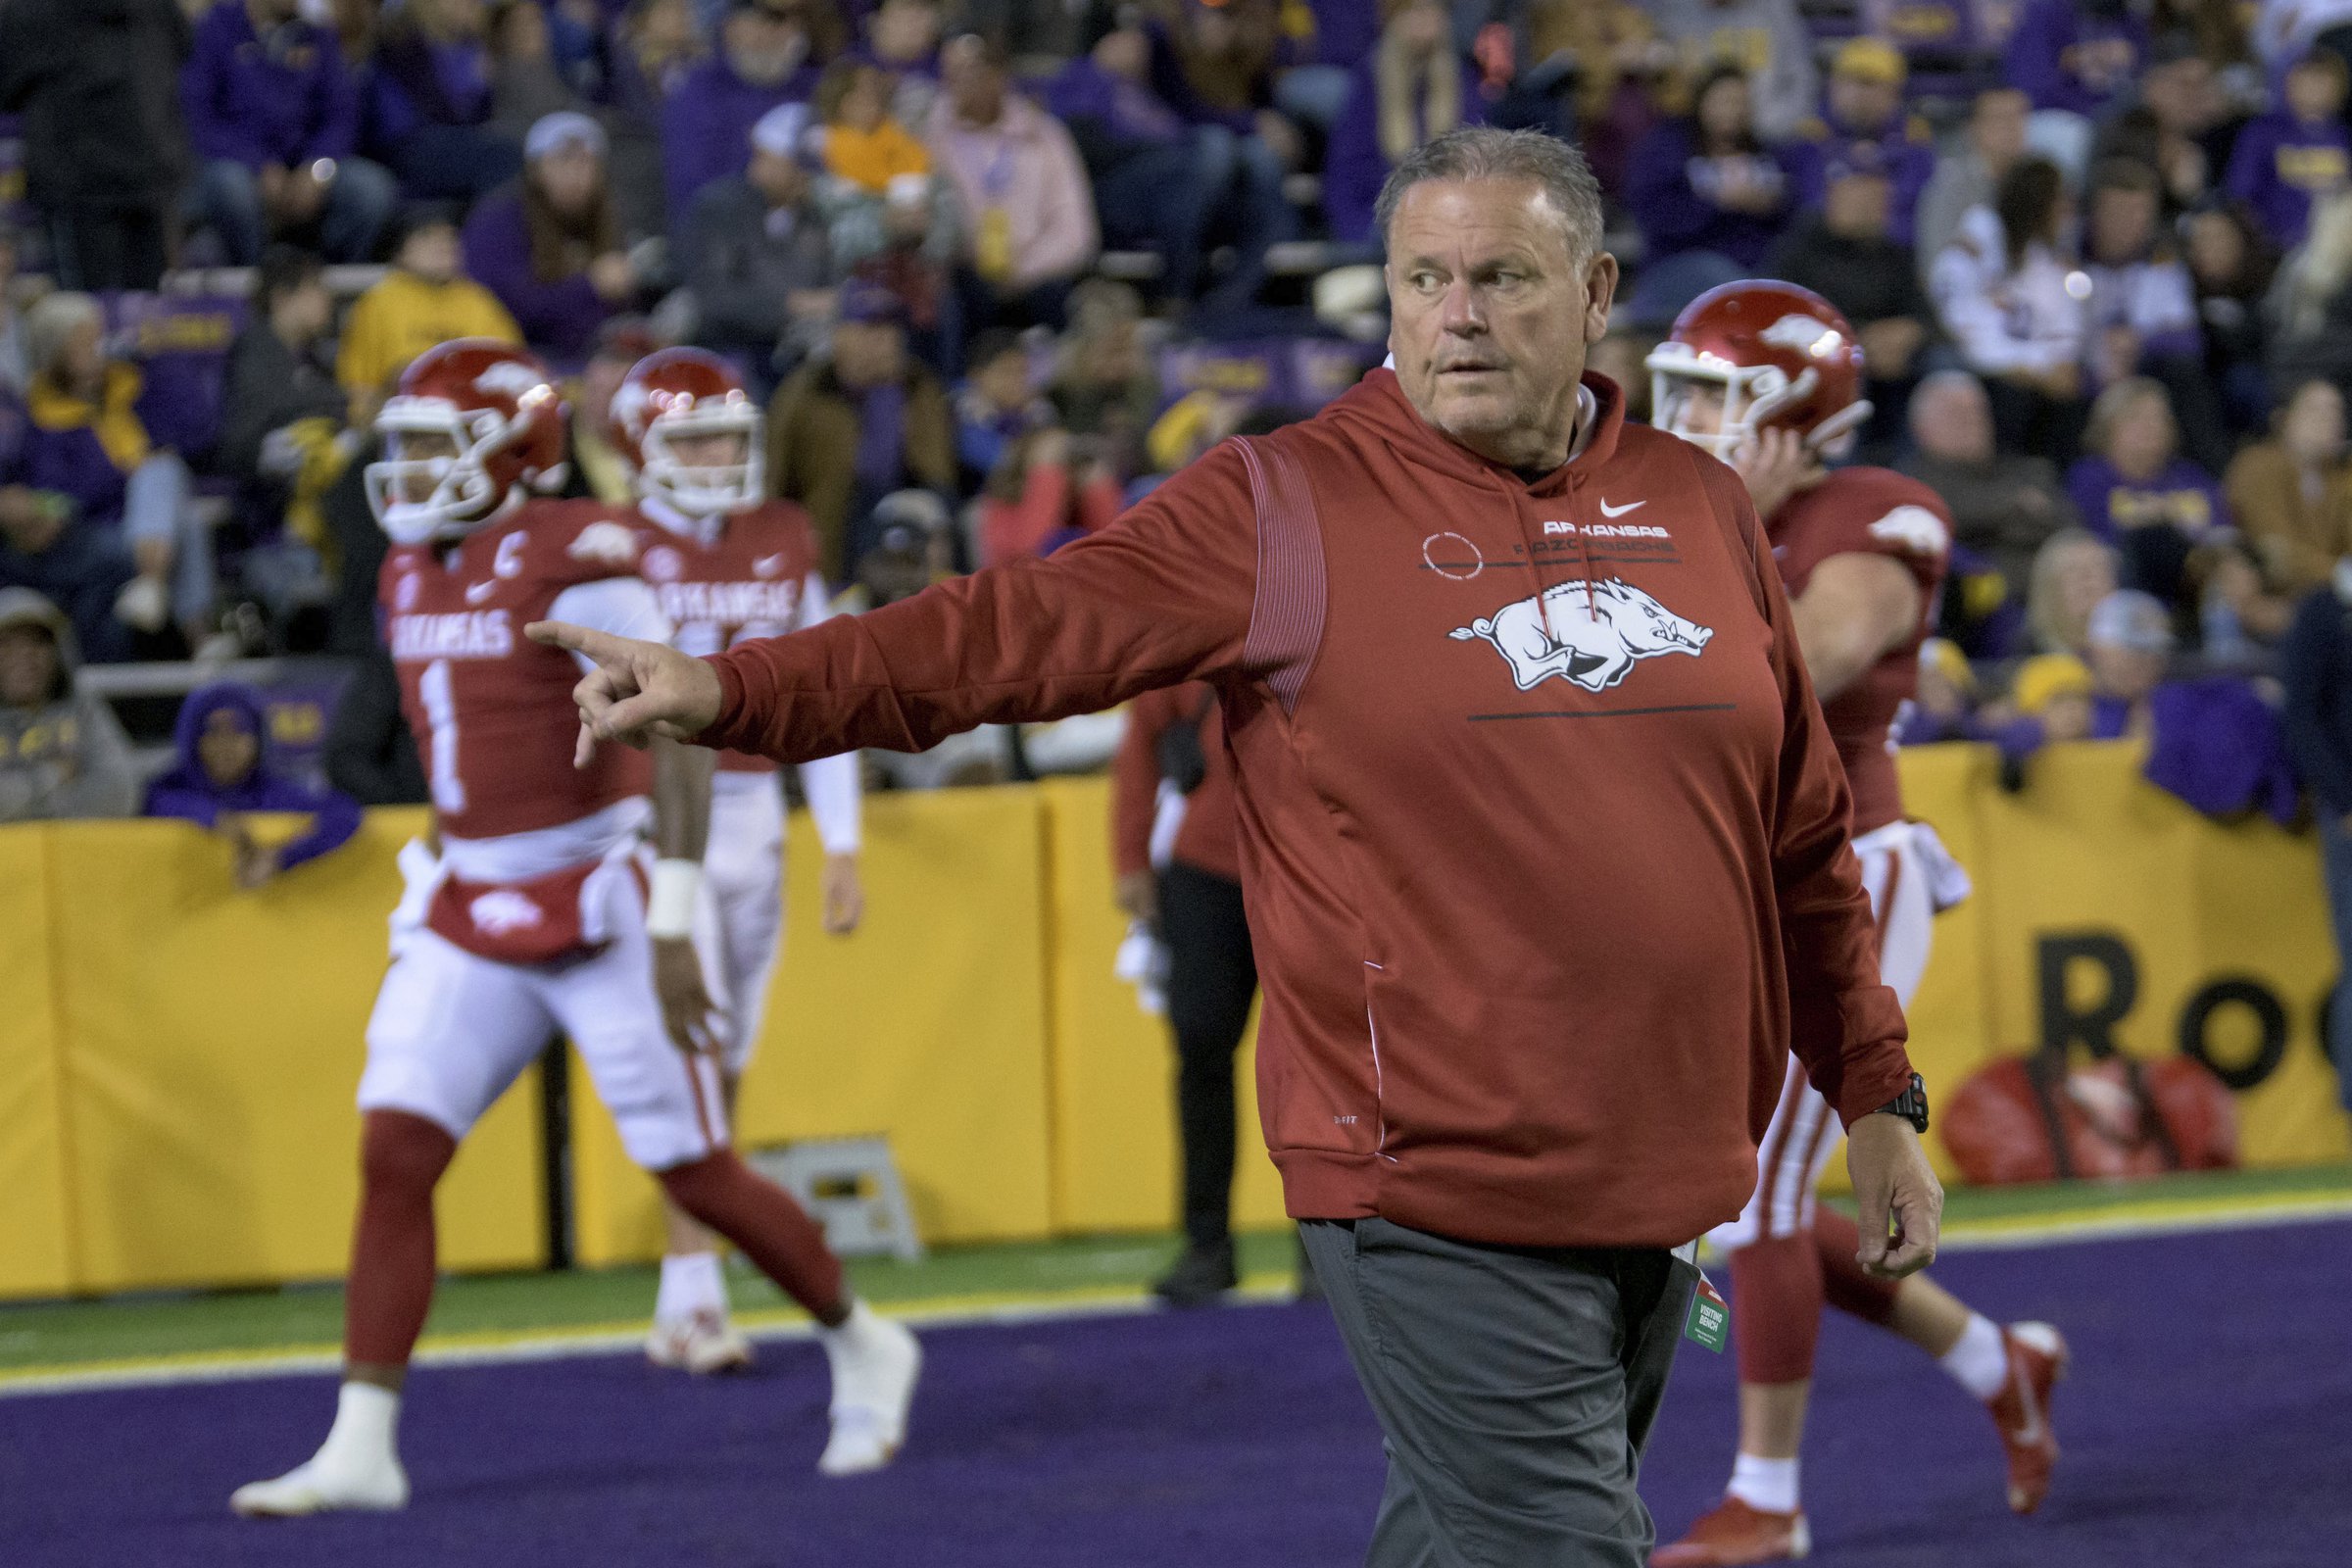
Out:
{"x": 62, "y": 752}
{"x": 862, "y": 423}
{"x": 891, "y": 219}
{"x": 2317, "y": 663}
{"x": 551, "y": 248}
{"x": 83, "y": 570}
{"x": 596, "y": 468}
{"x": 15, "y": 374}
{"x": 1707, "y": 182}
{"x": 1846, "y": 253}
{"x": 758, "y": 257}
{"x": 2005, "y": 506}
{"x": 526, "y": 84}
{"x": 913, "y": 548}
{"x": 1764, "y": 39}
{"x": 422, "y": 301}
{"x": 864, "y": 146}
{"x": 2137, "y": 492}
{"x": 763, "y": 60}
{"x": 1595, "y": 60}
{"x": 1943, "y": 704}
{"x": 86, "y": 441}
{"x": 2229, "y": 265}
{"x": 1970, "y": 176}
{"x": 2240, "y": 618}
{"x": 1028, "y": 214}
{"x": 2006, "y": 299}
{"x": 1314, "y": 89}
{"x": 2298, "y": 152}
{"x": 369, "y": 754}
{"x": 2311, "y": 302}
{"x": 2075, "y": 58}
{"x": 1216, "y": 62}
{"x": 2127, "y": 641}
{"x": 2177, "y": 126}
{"x": 1863, "y": 120}
{"x": 2141, "y": 314}
{"x": 2291, "y": 496}
{"x": 1410, "y": 87}
{"x": 995, "y": 407}
{"x": 1045, "y": 491}
{"x": 274, "y": 121}
{"x": 105, "y": 147}
{"x": 654, "y": 47}
{"x": 1161, "y": 183}
{"x": 902, "y": 42}
{"x": 429, "y": 104}
{"x": 2071, "y": 572}
{"x": 222, "y": 777}
{"x": 1105, "y": 384}
{"x": 282, "y": 435}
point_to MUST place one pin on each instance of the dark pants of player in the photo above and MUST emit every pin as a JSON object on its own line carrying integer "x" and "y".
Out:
{"x": 1515, "y": 1386}
{"x": 1213, "y": 977}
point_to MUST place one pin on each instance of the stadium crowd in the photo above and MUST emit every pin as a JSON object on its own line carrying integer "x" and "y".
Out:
{"x": 999, "y": 266}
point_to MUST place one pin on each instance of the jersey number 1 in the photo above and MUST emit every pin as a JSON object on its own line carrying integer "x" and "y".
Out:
{"x": 441, "y": 710}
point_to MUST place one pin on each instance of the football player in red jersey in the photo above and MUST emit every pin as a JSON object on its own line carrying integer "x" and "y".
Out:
{"x": 528, "y": 915}
{"x": 727, "y": 565}
{"x": 1767, "y": 376}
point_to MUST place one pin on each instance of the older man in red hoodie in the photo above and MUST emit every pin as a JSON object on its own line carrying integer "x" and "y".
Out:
{"x": 1543, "y": 840}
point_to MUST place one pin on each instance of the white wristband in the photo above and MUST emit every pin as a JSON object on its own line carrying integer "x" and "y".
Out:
{"x": 669, "y": 912}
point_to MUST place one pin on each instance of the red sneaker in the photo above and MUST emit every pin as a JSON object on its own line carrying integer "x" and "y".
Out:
{"x": 2022, "y": 1410}
{"x": 1732, "y": 1534}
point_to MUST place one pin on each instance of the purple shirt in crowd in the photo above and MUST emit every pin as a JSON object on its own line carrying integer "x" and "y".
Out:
{"x": 559, "y": 318}
{"x": 188, "y": 792}
{"x": 1354, "y": 167}
{"x": 707, "y": 128}
{"x": 2183, "y": 495}
{"x": 282, "y": 100}
{"x": 2036, "y": 57}
{"x": 2280, "y": 164}
{"x": 1671, "y": 194}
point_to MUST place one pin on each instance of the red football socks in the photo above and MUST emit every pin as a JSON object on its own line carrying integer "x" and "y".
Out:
{"x": 769, "y": 1228}
{"x": 1846, "y": 1286}
{"x": 391, "y": 1286}
{"x": 1776, "y": 1308}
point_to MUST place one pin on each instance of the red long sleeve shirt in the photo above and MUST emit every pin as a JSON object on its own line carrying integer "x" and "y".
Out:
{"x": 1206, "y": 840}
{"x": 1543, "y": 836}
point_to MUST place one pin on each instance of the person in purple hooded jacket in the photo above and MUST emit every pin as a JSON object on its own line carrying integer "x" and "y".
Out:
{"x": 2286, "y": 160}
{"x": 1706, "y": 182}
{"x": 763, "y": 60}
{"x": 1410, "y": 87}
{"x": 429, "y": 103}
{"x": 550, "y": 248}
{"x": 274, "y": 118}
{"x": 222, "y": 777}
{"x": 2135, "y": 490}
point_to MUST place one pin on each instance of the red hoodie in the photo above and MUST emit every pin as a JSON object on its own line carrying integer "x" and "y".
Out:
{"x": 1544, "y": 839}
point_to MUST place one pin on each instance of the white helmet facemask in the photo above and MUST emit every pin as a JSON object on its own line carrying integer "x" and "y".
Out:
{"x": 1751, "y": 396}
{"x": 704, "y": 490}
{"x": 459, "y": 494}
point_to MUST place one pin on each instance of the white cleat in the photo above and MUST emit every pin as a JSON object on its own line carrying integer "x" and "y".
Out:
{"x": 703, "y": 1344}
{"x": 875, "y": 1366}
{"x": 323, "y": 1486}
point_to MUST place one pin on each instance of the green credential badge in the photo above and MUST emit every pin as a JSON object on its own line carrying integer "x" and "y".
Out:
{"x": 1710, "y": 1321}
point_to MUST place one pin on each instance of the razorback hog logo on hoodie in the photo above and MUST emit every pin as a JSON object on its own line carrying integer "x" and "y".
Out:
{"x": 1590, "y": 633}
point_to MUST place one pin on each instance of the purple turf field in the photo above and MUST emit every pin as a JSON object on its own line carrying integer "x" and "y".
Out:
{"x": 2208, "y": 1422}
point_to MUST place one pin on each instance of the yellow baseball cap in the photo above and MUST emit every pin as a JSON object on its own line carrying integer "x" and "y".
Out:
{"x": 1870, "y": 60}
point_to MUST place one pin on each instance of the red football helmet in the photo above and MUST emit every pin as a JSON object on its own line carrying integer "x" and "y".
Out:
{"x": 1780, "y": 357}
{"x": 682, "y": 394}
{"x": 473, "y": 424}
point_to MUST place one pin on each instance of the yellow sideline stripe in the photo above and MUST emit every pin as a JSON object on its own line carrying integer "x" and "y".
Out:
{"x": 2089, "y": 1223}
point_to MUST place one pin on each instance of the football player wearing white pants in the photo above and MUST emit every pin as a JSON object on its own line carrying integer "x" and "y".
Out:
{"x": 527, "y": 914}
{"x": 1768, "y": 378}
{"x": 727, "y": 565}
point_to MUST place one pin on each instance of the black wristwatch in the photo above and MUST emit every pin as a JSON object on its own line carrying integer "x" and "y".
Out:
{"x": 1911, "y": 1104}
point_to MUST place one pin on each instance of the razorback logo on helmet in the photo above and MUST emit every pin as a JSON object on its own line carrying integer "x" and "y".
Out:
{"x": 511, "y": 378}
{"x": 1915, "y": 530}
{"x": 607, "y": 543}
{"x": 1802, "y": 334}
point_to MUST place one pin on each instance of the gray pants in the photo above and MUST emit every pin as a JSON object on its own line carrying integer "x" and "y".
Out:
{"x": 1515, "y": 1385}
